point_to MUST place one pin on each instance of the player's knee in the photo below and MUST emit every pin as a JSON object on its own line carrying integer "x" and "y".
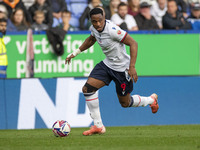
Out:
{"x": 84, "y": 89}
{"x": 124, "y": 104}
{"x": 87, "y": 88}
{"x": 124, "y": 100}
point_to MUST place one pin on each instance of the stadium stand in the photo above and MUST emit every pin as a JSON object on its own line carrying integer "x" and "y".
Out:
{"x": 76, "y": 7}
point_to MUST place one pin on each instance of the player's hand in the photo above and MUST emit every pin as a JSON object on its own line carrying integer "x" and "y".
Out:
{"x": 68, "y": 59}
{"x": 72, "y": 55}
{"x": 133, "y": 73}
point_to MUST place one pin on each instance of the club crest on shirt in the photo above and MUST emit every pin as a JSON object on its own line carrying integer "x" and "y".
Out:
{"x": 119, "y": 32}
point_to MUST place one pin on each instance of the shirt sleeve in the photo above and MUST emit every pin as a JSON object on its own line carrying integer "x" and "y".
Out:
{"x": 117, "y": 34}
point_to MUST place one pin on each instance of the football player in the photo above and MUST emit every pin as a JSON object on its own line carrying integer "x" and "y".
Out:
{"x": 117, "y": 66}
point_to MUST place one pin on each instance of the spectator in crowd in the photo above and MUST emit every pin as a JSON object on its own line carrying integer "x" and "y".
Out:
{"x": 3, "y": 12}
{"x": 144, "y": 19}
{"x": 105, "y": 2}
{"x": 65, "y": 25}
{"x": 114, "y": 6}
{"x": 18, "y": 21}
{"x": 133, "y": 7}
{"x": 38, "y": 24}
{"x": 11, "y": 5}
{"x": 28, "y": 3}
{"x": 43, "y": 6}
{"x": 123, "y": 19}
{"x": 158, "y": 10}
{"x": 173, "y": 19}
{"x": 111, "y": 9}
{"x": 182, "y": 6}
{"x": 194, "y": 18}
{"x": 84, "y": 19}
{"x": 57, "y": 6}
{"x": 3, "y": 55}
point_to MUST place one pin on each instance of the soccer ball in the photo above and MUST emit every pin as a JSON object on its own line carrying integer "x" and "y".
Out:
{"x": 61, "y": 128}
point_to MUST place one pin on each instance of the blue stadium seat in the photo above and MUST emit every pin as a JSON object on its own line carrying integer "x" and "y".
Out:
{"x": 67, "y": 1}
{"x": 68, "y": 5}
{"x": 78, "y": 8}
{"x": 74, "y": 21}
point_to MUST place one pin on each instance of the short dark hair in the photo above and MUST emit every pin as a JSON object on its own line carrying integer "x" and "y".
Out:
{"x": 65, "y": 11}
{"x": 121, "y": 4}
{"x": 3, "y": 20}
{"x": 95, "y": 11}
{"x": 172, "y": 1}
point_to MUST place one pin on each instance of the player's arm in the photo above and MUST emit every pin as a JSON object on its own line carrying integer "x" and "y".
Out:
{"x": 133, "y": 54}
{"x": 86, "y": 44}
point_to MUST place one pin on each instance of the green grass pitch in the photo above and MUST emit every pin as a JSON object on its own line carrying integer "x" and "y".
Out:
{"x": 176, "y": 137}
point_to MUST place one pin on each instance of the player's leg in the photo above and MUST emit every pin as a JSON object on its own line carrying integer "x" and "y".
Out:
{"x": 124, "y": 87}
{"x": 92, "y": 101}
{"x": 97, "y": 79}
{"x": 152, "y": 101}
{"x": 137, "y": 101}
{"x": 125, "y": 101}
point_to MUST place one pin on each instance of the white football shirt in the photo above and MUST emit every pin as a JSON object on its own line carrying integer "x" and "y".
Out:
{"x": 110, "y": 41}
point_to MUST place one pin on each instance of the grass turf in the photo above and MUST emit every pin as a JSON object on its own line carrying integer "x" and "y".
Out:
{"x": 179, "y": 137}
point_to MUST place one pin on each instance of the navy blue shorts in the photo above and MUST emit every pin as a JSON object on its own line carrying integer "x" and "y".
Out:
{"x": 123, "y": 82}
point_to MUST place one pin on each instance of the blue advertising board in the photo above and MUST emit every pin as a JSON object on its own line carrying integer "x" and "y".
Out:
{"x": 38, "y": 103}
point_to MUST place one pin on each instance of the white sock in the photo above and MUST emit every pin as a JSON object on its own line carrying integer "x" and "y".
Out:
{"x": 141, "y": 101}
{"x": 93, "y": 105}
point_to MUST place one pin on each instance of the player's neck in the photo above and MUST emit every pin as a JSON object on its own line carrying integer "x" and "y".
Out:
{"x": 103, "y": 27}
